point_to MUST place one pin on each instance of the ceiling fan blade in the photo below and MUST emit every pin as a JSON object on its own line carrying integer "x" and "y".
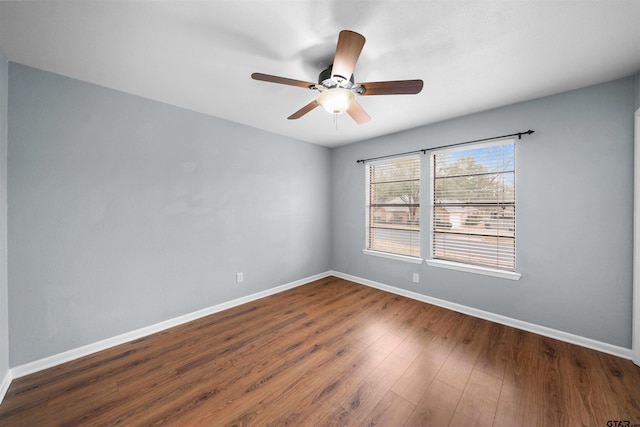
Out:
{"x": 304, "y": 110}
{"x": 399, "y": 87}
{"x": 347, "y": 52}
{"x": 358, "y": 114}
{"x": 281, "y": 80}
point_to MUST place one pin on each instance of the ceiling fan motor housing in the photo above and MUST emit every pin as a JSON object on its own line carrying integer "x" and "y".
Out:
{"x": 327, "y": 81}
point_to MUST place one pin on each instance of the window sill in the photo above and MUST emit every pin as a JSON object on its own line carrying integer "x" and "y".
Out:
{"x": 474, "y": 269}
{"x": 393, "y": 256}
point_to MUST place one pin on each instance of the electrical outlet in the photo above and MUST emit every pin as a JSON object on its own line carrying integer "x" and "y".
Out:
{"x": 239, "y": 277}
{"x": 416, "y": 278}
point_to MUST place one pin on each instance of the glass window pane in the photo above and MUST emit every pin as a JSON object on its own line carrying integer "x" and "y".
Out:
{"x": 474, "y": 205}
{"x": 393, "y": 206}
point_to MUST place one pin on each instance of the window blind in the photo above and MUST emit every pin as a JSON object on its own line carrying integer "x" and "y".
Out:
{"x": 474, "y": 217}
{"x": 393, "y": 206}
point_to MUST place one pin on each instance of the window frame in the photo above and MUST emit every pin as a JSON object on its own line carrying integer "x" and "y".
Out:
{"x": 385, "y": 254}
{"x": 460, "y": 265}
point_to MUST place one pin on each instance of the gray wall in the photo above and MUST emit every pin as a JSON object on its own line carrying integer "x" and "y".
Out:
{"x": 637, "y": 90}
{"x": 124, "y": 212}
{"x": 4, "y": 304}
{"x": 574, "y": 213}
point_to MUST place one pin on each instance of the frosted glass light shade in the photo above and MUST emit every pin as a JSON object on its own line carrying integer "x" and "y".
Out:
{"x": 337, "y": 100}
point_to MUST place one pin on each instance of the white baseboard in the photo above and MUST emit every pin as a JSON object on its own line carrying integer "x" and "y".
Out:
{"x": 4, "y": 385}
{"x": 497, "y": 318}
{"x": 67, "y": 356}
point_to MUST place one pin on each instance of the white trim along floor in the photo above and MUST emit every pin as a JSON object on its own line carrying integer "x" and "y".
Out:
{"x": 57, "y": 359}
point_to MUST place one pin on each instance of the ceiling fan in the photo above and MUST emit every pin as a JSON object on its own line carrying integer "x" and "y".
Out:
{"x": 336, "y": 85}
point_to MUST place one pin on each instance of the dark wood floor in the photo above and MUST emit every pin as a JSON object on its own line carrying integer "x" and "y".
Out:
{"x": 333, "y": 353}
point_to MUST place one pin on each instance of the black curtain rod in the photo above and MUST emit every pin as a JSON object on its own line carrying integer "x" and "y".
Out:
{"x": 424, "y": 150}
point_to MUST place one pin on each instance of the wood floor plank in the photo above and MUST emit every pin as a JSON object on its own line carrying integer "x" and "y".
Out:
{"x": 225, "y": 398}
{"x": 392, "y": 410}
{"x": 479, "y": 401}
{"x": 441, "y": 321}
{"x": 364, "y": 396}
{"x": 556, "y": 409}
{"x": 623, "y": 381}
{"x": 520, "y": 401}
{"x": 416, "y": 379}
{"x": 342, "y": 379}
{"x": 474, "y": 411}
{"x": 437, "y": 406}
{"x": 332, "y": 352}
{"x": 309, "y": 387}
{"x": 483, "y": 386}
{"x": 494, "y": 352}
{"x": 457, "y": 369}
{"x": 259, "y": 393}
{"x": 583, "y": 386}
{"x": 329, "y": 414}
{"x": 325, "y": 382}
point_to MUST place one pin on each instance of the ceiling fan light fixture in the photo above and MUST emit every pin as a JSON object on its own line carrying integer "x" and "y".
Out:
{"x": 336, "y": 101}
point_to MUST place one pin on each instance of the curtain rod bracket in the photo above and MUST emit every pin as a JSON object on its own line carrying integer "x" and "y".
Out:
{"x": 529, "y": 132}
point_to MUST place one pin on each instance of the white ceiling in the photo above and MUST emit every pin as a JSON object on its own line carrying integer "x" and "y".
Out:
{"x": 472, "y": 55}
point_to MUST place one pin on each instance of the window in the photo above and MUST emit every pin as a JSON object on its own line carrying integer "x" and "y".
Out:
{"x": 393, "y": 207}
{"x": 474, "y": 211}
